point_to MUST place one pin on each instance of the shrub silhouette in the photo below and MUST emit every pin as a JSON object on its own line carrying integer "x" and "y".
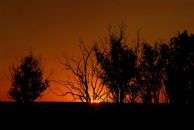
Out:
{"x": 118, "y": 65}
{"x": 27, "y": 82}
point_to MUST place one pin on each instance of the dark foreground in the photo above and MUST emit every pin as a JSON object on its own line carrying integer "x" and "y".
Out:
{"x": 63, "y": 116}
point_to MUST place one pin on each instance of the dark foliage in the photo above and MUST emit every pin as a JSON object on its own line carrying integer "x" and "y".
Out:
{"x": 180, "y": 69}
{"x": 150, "y": 75}
{"x": 27, "y": 82}
{"x": 167, "y": 67}
{"x": 118, "y": 65}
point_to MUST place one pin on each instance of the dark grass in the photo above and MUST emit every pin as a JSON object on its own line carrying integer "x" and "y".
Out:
{"x": 57, "y": 115}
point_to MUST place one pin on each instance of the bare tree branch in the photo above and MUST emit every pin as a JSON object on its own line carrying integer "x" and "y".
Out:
{"x": 86, "y": 84}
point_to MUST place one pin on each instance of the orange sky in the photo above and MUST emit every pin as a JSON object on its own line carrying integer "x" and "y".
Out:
{"x": 53, "y": 27}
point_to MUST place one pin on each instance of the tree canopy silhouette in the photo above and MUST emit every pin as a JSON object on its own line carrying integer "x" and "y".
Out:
{"x": 180, "y": 69}
{"x": 27, "y": 82}
{"x": 118, "y": 65}
{"x": 127, "y": 74}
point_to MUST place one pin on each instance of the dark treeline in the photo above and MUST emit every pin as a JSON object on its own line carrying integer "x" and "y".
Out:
{"x": 114, "y": 72}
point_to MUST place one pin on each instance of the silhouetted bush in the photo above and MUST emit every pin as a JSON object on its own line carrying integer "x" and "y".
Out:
{"x": 118, "y": 65}
{"x": 27, "y": 82}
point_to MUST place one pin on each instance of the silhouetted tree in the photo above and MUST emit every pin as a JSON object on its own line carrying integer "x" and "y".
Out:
{"x": 84, "y": 85}
{"x": 150, "y": 74}
{"x": 180, "y": 69}
{"x": 27, "y": 82}
{"x": 118, "y": 65}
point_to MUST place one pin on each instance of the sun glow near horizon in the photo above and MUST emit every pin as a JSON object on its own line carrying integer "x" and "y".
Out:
{"x": 51, "y": 28}
{"x": 96, "y": 101}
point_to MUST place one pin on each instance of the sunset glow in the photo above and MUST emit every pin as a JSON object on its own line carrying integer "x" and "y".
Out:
{"x": 95, "y": 101}
{"x": 53, "y": 28}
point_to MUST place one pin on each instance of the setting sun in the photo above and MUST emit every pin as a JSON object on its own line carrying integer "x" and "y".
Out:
{"x": 95, "y": 101}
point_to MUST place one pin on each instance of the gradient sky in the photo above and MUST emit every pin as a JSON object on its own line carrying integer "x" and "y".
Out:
{"x": 53, "y": 27}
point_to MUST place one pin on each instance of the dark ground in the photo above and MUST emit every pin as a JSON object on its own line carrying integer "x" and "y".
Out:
{"x": 62, "y": 116}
